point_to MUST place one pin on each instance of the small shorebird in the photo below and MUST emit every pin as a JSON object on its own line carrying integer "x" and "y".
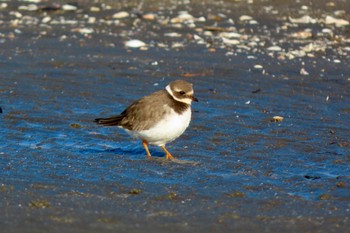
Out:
{"x": 158, "y": 118}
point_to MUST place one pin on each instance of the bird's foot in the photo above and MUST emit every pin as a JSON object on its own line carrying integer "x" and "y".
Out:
{"x": 167, "y": 153}
{"x": 168, "y": 156}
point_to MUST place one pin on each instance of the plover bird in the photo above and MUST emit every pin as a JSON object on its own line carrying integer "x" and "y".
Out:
{"x": 158, "y": 118}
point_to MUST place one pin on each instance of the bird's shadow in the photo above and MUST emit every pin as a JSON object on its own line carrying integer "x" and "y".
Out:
{"x": 139, "y": 152}
{"x": 131, "y": 151}
{"x": 136, "y": 151}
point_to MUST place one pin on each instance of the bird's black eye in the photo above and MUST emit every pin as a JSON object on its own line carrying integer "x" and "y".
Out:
{"x": 182, "y": 92}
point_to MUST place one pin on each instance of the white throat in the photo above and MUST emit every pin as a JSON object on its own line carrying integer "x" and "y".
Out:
{"x": 185, "y": 100}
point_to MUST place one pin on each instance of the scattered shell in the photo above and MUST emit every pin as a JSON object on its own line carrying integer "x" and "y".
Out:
{"x": 46, "y": 19}
{"x": 91, "y": 20}
{"x": 230, "y": 35}
{"x": 149, "y": 16}
{"x": 337, "y": 22}
{"x": 201, "y": 19}
{"x": 230, "y": 42}
{"x": 64, "y": 21}
{"x": 34, "y": 1}
{"x": 258, "y": 67}
{"x": 31, "y": 7}
{"x": 196, "y": 37}
{"x": 84, "y": 30}
{"x": 3, "y": 5}
{"x": 16, "y": 14}
{"x": 274, "y": 48}
{"x": 68, "y": 7}
{"x": 301, "y": 35}
{"x": 135, "y": 44}
{"x": 177, "y": 45}
{"x": 276, "y": 119}
{"x": 121, "y": 15}
{"x": 303, "y": 7}
{"x": 172, "y": 34}
{"x": 303, "y": 20}
{"x": 303, "y": 72}
{"x": 182, "y": 17}
{"x": 162, "y": 45}
{"x": 208, "y": 33}
{"x": 185, "y": 17}
{"x": 327, "y": 31}
{"x": 245, "y": 18}
{"x": 95, "y": 9}
{"x": 339, "y": 12}
{"x": 314, "y": 47}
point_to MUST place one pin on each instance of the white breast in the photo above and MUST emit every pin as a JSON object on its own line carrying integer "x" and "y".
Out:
{"x": 167, "y": 130}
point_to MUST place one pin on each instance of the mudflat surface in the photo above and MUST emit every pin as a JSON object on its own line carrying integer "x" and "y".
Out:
{"x": 239, "y": 169}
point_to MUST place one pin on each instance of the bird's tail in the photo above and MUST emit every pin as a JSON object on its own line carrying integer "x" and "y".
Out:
{"x": 110, "y": 121}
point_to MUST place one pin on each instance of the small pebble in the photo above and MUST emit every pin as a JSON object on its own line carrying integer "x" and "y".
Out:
{"x": 276, "y": 119}
{"x": 341, "y": 184}
{"x": 325, "y": 196}
{"x": 135, "y": 191}
{"x": 75, "y": 126}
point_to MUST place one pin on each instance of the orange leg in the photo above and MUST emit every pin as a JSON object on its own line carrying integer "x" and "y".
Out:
{"x": 167, "y": 153}
{"x": 144, "y": 143}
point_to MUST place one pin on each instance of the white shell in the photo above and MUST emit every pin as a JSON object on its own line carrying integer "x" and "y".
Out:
{"x": 135, "y": 44}
{"x": 121, "y": 15}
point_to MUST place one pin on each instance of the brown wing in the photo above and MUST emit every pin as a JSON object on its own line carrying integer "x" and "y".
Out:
{"x": 145, "y": 112}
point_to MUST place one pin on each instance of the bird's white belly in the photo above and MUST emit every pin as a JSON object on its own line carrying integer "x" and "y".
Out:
{"x": 167, "y": 130}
